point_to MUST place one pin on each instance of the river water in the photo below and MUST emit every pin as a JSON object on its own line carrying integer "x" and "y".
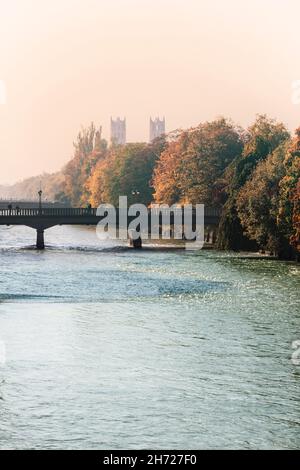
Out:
{"x": 112, "y": 348}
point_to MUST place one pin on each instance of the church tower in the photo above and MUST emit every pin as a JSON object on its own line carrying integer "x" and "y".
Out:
{"x": 157, "y": 128}
{"x": 118, "y": 131}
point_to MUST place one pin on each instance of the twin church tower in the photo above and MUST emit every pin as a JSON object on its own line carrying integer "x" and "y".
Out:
{"x": 118, "y": 130}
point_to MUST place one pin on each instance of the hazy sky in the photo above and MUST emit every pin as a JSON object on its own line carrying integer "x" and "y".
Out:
{"x": 68, "y": 62}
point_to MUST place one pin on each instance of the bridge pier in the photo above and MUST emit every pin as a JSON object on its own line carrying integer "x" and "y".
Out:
{"x": 137, "y": 243}
{"x": 40, "y": 242}
{"x": 134, "y": 241}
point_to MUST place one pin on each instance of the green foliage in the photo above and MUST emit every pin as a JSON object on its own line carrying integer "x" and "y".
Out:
{"x": 261, "y": 139}
{"x": 258, "y": 202}
{"x": 129, "y": 172}
{"x": 231, "y": 234}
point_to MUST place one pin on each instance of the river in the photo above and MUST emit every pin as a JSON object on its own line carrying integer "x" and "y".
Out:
{"x": 110, "y": 348}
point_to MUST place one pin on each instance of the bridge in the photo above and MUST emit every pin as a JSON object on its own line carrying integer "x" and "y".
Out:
{"x": 43, "y": 218}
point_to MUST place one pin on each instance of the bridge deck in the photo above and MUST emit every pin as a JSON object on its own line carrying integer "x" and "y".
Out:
{"x": 79, "y": 216}
{"x": 71, "y": 211}
{"x": 44, "y": 218}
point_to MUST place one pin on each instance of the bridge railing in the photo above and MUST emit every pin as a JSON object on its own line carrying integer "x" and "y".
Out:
{"x": 77, "y": 212}
{"x": 48, "y": 212}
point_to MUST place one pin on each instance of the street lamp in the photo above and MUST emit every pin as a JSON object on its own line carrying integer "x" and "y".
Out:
{"x": 136, "y": 242}
{"x": 40, "y": 193}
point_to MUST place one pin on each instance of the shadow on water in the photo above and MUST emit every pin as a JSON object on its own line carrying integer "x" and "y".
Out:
{"x": 95, "y": 249}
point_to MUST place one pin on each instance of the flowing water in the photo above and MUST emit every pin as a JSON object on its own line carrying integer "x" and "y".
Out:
{"x": 114, "y": 348}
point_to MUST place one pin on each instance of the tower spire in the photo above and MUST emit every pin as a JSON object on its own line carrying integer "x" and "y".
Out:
{"x": 157, "y": 128}
{"x": 118, "y": 131}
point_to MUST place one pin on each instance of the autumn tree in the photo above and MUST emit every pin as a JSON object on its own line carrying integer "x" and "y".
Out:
{"x": 189, "y": 168}
{"x": 89, "y": 148}
{"x": 126, "y": 171}
{"x": 295, "y": 237}
{"x": 289, "y": 212}
{"x": 166, "y": 177}
{"x": 97, "y": 183}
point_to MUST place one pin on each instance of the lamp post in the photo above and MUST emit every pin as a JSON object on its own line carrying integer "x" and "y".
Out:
{"x": 40, "y": 244}
{"x": 40, "y": 193}
{"x": 136, "y": 242}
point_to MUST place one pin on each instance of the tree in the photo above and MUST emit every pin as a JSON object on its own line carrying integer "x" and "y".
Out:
{"x": 289, "y": 211}
{"x": 295, "y": 237}
{"x": 89, "y": 149}
{"x": 166, "y": 176}
{"x": 126, "y": 171}
{"x": 261, "y": 139}
{"x": 258, "y": 202}
{"x": 190, "y": 167}
{"x": 97, "y": 183}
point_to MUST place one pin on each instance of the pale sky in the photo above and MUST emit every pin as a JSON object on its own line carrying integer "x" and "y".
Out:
{"x": 66, "y": 63}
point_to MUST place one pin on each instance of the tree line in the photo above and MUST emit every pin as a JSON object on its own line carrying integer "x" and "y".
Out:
{"x": 252, "y": 174}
